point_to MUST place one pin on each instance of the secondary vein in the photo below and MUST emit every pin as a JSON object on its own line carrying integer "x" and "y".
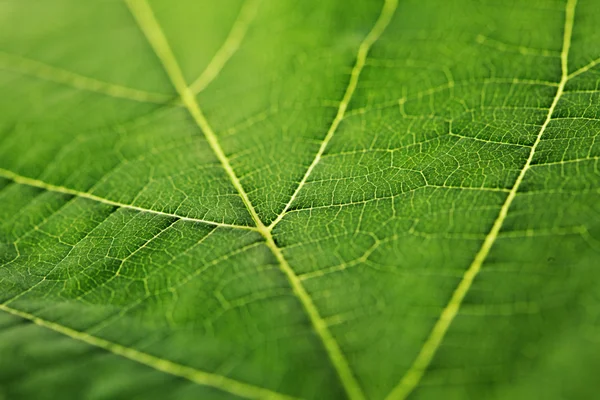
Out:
{"x": 413, "y": 376}
{"x": 201, "y": 377}
{"x": 47, "y": 72}
{"x": 229, "y": 47}
{"x": 382, "y": 22}
{"x": 23, "y": 180}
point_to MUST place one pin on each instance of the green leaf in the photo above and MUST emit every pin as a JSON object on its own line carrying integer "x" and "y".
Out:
{"x": 310, "y": 199}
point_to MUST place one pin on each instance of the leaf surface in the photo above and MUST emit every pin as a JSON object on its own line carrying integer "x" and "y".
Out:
{"x": 315, "y": 199}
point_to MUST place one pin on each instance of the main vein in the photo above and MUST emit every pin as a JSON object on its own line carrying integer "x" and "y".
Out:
{"x": 382, "y": 22}
{"x": 153, "y": 32}
{"x": 201, "y": 377}
{"x": 23, "y": 180}
{"x": 413, "y": 376}
{"x": 151, "y": 28}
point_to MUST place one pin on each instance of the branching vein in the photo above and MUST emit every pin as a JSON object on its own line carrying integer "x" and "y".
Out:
{"x": 387, "y": 12}
{"x": 149, "y": 25}
{"x": 186, "y": 93}
{"x": 413, "y": 376}
{"x": 585, "y": 68}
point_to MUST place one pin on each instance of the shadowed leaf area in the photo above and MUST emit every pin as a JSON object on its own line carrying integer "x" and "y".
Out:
{"x": 267, "y": 199}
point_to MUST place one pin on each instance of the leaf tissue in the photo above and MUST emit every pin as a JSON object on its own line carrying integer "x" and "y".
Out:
{"x": 316, "y": 199}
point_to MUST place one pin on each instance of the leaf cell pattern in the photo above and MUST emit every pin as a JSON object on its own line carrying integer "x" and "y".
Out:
{"x": 277, "y": 200}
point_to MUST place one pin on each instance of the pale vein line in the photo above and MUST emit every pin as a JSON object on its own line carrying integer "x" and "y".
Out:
{"x": 498, "y": 45}
{"x": 144, "y": 16}
{"x": 149, "y": 25}
{"x": 585, "y": 68}
{"x": 229, "y": 47}
{"x": 387, "y": 12}
{"x": 412, "y": 377}
{"x": 197, "y": 376}
{"x": 47, "y": 72}
{"x": 23, "y": 180}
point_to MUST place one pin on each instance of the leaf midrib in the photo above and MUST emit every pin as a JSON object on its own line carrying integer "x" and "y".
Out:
{"x": 143, "y": 14}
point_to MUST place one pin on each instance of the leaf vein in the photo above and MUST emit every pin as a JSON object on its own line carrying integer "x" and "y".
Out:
{"x": 151, "y": 28}
{"x": 413, "y": 376}
{"x": 47, "y": 72}
{"x": 23, "y": 180}
{"x": 381, "y": 24}
{"x": 221, "y": 382}
{"x": 229, "y": 47}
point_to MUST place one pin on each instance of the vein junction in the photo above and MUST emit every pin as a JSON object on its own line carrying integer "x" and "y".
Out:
{"x": 157, "y": 39}
{"x": 153, "y": 32}
{"x": 150, "y": 27}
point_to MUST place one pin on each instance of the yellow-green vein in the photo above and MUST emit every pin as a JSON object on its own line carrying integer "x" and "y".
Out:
{"x": 229, "y": 47}
{"x": 201, "y": 377}
{"x": 47, "y": 72}
{"x": 382, "y": 22}
{"x": 23, "y": 180}
{"x": 413, "y": 376}
{"x": 151, "y": 28}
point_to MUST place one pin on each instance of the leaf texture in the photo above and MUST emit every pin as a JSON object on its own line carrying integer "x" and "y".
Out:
{"x": 320, "y": 199}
